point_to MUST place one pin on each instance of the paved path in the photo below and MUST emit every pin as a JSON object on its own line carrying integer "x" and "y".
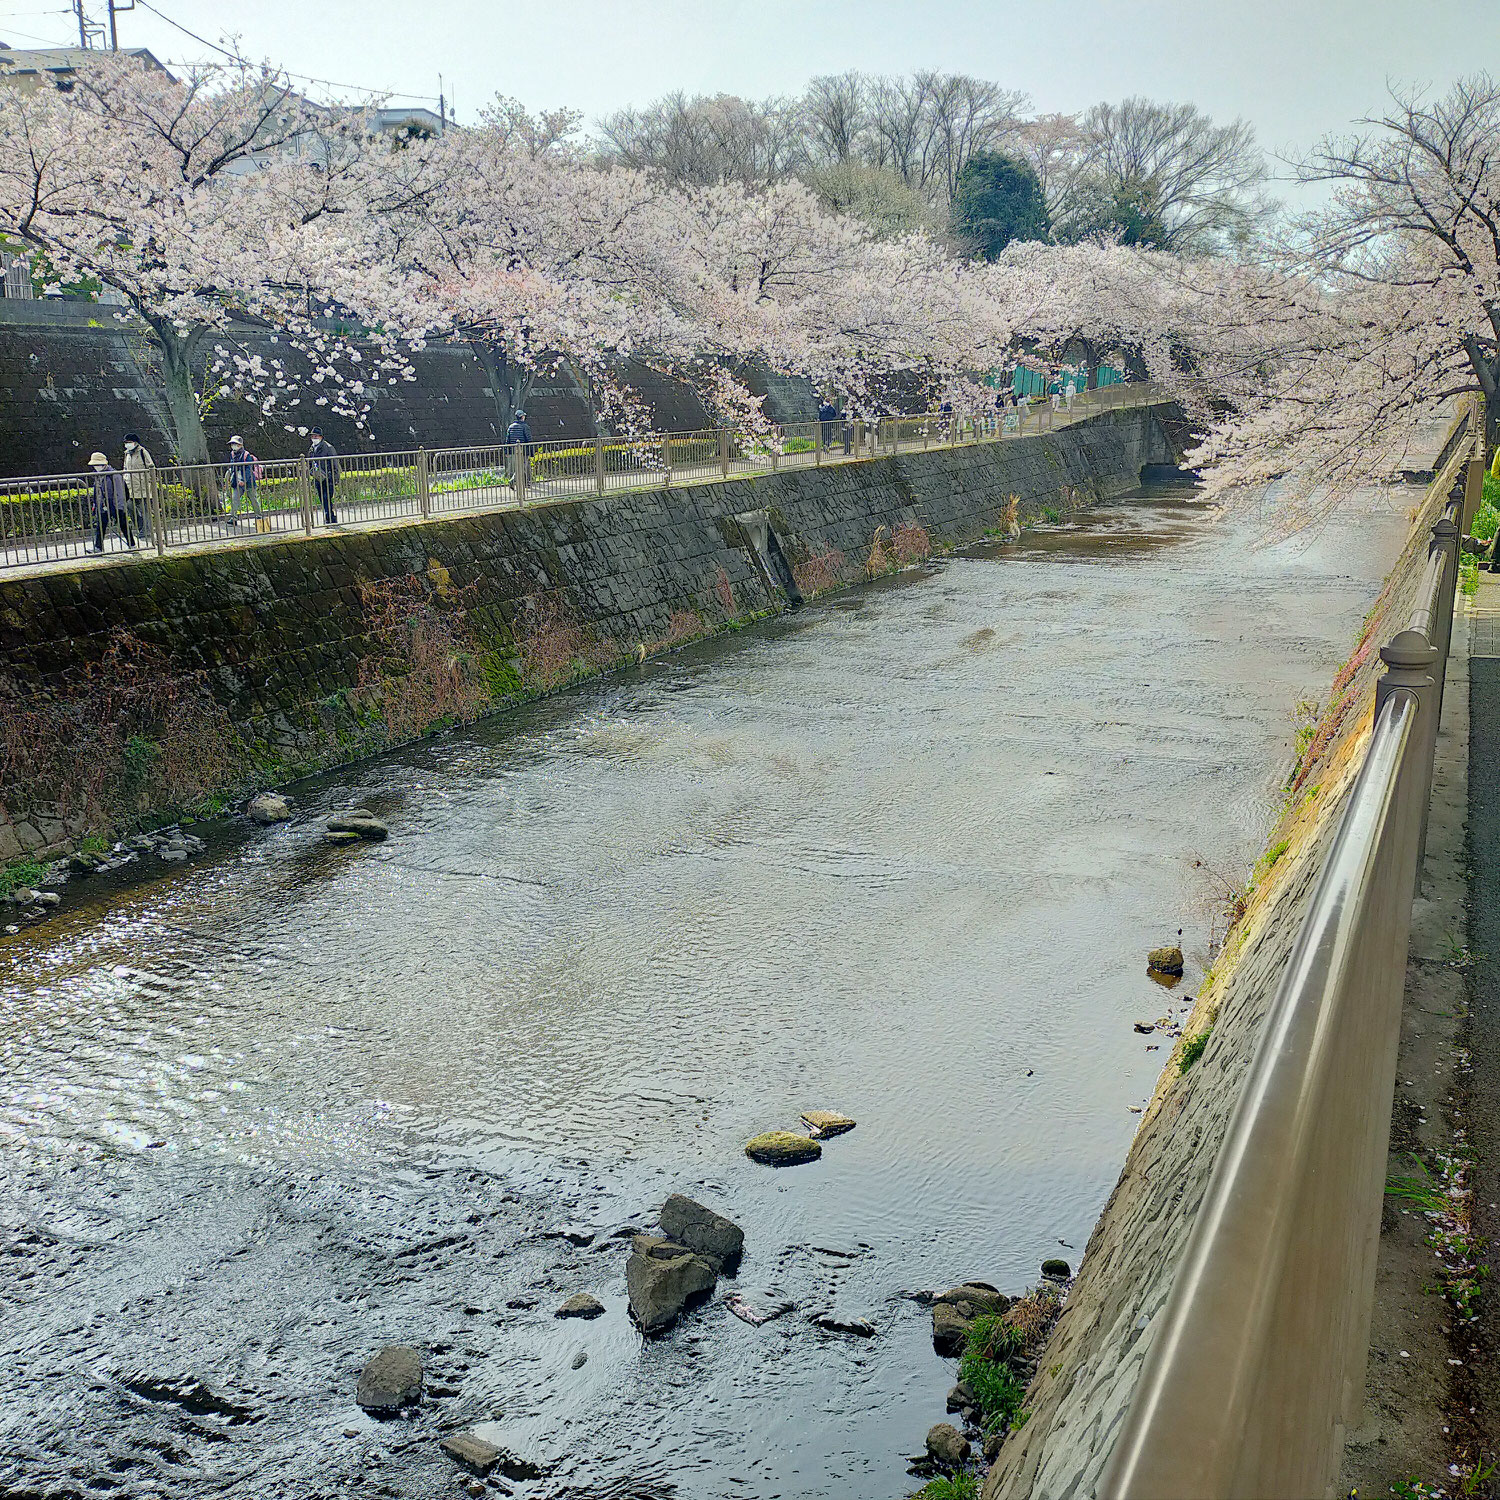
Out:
{"x": 214, "y": 533}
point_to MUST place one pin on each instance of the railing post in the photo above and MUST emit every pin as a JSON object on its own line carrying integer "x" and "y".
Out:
{"x": 666, "y": 461}
{"x": 1411, "y": 662}
{"x": 158, "y": 511}
{"x": 778, "y": 438}
{"x": 304, "y": 484}
{"x": 523, "y": 473}
{"x": 1473, "y": 492}
{"x": 818, "y": 428}
{"x": 424, "y": 488}
{"x": 599, "y": 463}
{"x": 724, "y": 453}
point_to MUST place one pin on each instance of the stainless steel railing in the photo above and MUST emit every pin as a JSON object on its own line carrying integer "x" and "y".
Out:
{"x": 58, "y": 517}
{"x": 1256, "y": 1368}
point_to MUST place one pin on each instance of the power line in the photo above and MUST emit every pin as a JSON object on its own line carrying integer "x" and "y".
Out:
{"x": 299, "y": 77}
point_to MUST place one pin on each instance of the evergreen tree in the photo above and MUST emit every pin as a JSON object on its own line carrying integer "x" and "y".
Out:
{"x": 998, "y": 199}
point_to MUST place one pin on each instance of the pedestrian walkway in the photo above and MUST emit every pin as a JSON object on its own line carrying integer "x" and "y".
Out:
{"x": 45, "y": 525}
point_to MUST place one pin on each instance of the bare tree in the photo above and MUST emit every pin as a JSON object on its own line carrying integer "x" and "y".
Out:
{"x": 1055, "y": 147}
{"x": 1202, "y": 183}
{"x": 835, "y": 115}
{"x": 925, "y": 127}
{"x": 709, "y": 139}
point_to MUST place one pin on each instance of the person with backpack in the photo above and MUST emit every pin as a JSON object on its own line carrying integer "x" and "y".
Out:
{"x": 109, "y": 499}
{"x": 139, "y": 470}
{"x": 323, "y": 465}
{"x": 243, "y": 473}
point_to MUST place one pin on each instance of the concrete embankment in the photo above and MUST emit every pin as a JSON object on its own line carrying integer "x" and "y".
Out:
{"x": 1088, "y": 1372}
{"x": 313, "y": 651}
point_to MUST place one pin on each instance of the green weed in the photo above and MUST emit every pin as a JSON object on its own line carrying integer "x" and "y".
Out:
{"x": 1192, "y": 1050}
{"x": 1468, "y": 576}
{"x": 950, "y": 1487}
{"x": 985, "y": 1368}
{"x": 24, "y": 872}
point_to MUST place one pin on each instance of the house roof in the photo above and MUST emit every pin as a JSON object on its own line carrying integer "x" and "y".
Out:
{"x": 65, "y": 59}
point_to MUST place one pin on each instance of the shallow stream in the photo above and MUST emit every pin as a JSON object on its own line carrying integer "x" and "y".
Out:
{"x": 899, "y": 855}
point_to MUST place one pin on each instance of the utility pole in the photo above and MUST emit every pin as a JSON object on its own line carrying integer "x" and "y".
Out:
{"x": 83, "y": 25}
{"x": 114, "y": 36}
{"x": 442, "y": 108}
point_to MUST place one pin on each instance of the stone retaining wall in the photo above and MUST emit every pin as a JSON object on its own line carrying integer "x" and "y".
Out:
{"x": 277, "y": 631}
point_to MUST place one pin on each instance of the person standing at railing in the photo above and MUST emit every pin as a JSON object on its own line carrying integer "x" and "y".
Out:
{"x": 323, "y": 468}
{"x": 828, "y": 414}
{"x": 109, "y": 499}
{"x": 139, "y": 469}
{"x": 243, "y": 473}
{"x": 518, "y": 449}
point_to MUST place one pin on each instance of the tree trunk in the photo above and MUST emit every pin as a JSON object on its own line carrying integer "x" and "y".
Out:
{"x": 1491, "y": 426}
{"x": 182, "y": 402}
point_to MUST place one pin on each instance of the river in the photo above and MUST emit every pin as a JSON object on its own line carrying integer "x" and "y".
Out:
{"x": 900, "y": 854}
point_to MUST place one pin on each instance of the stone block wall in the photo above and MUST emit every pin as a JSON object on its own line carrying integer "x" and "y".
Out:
{"x": 277, "y": 630}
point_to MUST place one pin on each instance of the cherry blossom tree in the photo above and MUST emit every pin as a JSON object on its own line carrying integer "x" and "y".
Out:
{"x": 201, "y": 201}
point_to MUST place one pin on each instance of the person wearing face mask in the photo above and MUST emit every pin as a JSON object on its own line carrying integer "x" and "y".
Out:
{"x": 139, "y": 470}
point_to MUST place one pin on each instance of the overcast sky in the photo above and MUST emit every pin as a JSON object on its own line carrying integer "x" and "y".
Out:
{"x": 1294, "y": 68}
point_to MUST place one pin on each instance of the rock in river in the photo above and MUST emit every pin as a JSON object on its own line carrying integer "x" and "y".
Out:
{"x": 711, "y": 1235}
{"x": 782, "y": 1148}
{"x": 1165, "y": 960}
{"x": 947, "y": 1445}
{"x": 580, "y": 1305}
{"x": 392, "y": 1379}
{"x": 825, "y": 1123}
{"x": 472, "y": 1451}
{"x": 662, "y": 1278}
{"x": 357, "y": 820}
{"x": 1056, "y": 1270}
{"x": 954, "y": 1311}
{"x": 268, "y": 807}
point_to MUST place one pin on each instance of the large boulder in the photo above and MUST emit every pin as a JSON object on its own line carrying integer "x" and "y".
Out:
{"x": 662, "y": 1279}
{"x": 391, "y": 1380}
{"x": 782, "y": 1148}
{"x": 711, "y": 1235}
{"x": 1165, "y": 961}
{"x": 266, "y": 808}
{"x": 946, "y": 1445}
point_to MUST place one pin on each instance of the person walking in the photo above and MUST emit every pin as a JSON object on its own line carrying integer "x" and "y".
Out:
{"x": 323, "y": 466}
{"x": 139, "y": 470}
{"x": 828, "y": 414}
{"x": 518, "y": 450}
{"x": 109, "y": 499}
{"x": 243, "y": 472}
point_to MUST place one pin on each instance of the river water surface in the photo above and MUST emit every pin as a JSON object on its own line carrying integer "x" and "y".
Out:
{"x": 899, "y": 855}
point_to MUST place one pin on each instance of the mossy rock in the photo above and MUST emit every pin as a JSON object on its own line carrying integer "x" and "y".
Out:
{"x": 782, "y": 1148}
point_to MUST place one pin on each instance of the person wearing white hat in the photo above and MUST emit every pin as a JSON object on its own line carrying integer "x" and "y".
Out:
{"x": 109, "y": 499}
{"x": 243, "y": 474}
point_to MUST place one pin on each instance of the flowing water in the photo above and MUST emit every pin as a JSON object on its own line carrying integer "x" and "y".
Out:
{"x": 900, "y": 855}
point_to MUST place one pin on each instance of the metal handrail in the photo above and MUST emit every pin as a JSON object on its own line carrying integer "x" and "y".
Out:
{"x": 1256, "y": 1369}
{"x": 54, "y": 517}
